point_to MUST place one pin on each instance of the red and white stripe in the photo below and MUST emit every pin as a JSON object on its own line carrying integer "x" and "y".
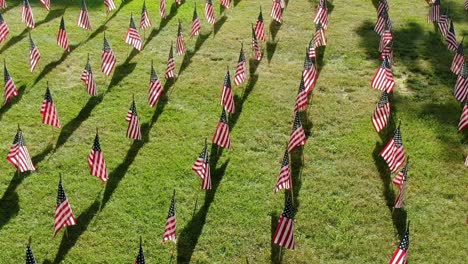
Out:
{"x": 321, "y": 16}
{"x": 10, "y": 87}
{"x": 63, "y": 216}
{"x": 381, "y": 114}
{"x": 49, "y": 111}
{"x": 4, "y": 30}
{"x": 319, "y": 37}
{"x": 145, "y": 21}
{"x": 383, "y": 80}
{"x": 108, "y": 59}
{"x": 221, "y": 136}
{"x": 226, "y": 3}
{"x": 170, "y": 66}
{"x": 133, "y": 38}
{"x": 464, "y": 118}
{"x": 276, "y": 11}
{"x": 227, "y": 96}
{"x": 19, "y": 156}
{"x": 34, "y": 57}
{"x": 393, "y": 155}
{"x": 284, "y": 180}
{"x": 461, "y": 88}
{"x": 260, "y": 28}
{"x": 110, "y": 5}
{"x": 284, "y": 234}
{"x": 458, "y": 60}
{"x": 209, "y": 12}
{"x": 155, "y": 88}
{"x": 62, "y": 37}
{"x": 3, "y": 4}
{"x": 162, "y": 9}
{"x": 180, "y": 45}
{"x": 27, "y": 15}
{"x": 310, "y": 78}
{"x": 241, "y": 70}
{"x": 196, "y": 24}
{"x": 83, "y": 18}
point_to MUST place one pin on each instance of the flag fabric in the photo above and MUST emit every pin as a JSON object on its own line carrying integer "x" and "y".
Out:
{"x": 209, "y": 12}
{"x": 385, "y": 39}
{"x": 461, "y": 86}
{"x": 170, "y": 229}
{"x": 277, "y": 11}
{"x": 96, "y": 161}
{"x": 284, "y": 180}
{"x": 400, "y": 199}
{"x": 321, "y": 14}
{"x": 298, "y": 137}
{"x": 394, "y": 152}
{"x": 10, "y": 87}
{"x": 110, "y": 5}
{"x": 382, "y": 7}
{"x": 134, "y": 129}
{"x": 133, "y": 37}
{"x": 3, "y": 4}
{"x": 83, "y": 18}
{"x": 196, "y": 24}
{"x": 221, "y": 136}
{"x": 145, "y": 21}
{"x": 458, "y": 59}
{"x": 180, "y": 46}
{"x": 434, "y": 12}
{"x": 108, "y": 59}
{"x": 170, "y": 66}
{"x": 466, "y": 8}
{"x": 400, "y": 256}
{"x": 451, "y": 38}
{"x": 319, "y": 37}
{"x": 155, "y": 88}
{"x": 255, "y": 46}
{"x": 62, "y": 37}
{"x": 260, "y": 27}
{"x": 34, "y": 55}
{"x": 383, "y": 21}
{"x": 63, "y": 211}
{"x": 227, "y": 96}
{"x": 3, "y": 29}
{"x": 202, "y": 168}
{"x": 464, "y": 118}
{"x": 311, "y": 51}
{"x": 226, "y": 3}
{"x": 18, "y": 155}
{"x": 49, "y": 111}
{"x": 443, "y": 24}
{"x": 30, "y": 256}
{"x": 140, "y": 259}
{"x": 241, "y": 70}
{"x": 87, "y": 77}
{"x": 27, "y": 15}
{"x": 284, "y": 234}
{"x": 381, "y": 113}
{"x": 301, "y": 98}
{"x": 309, "y": 74}
{"x": 383, "y": 78}
{"x": 162, "y": 9}
{"x": 401, "y": 176}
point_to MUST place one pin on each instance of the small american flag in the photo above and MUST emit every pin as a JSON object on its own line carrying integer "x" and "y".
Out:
{"x": 383, "y": 78}
{"x": 46, "y": 4}
{"x": 382, "y": 7}
{"x": 260, "y": 27}
{"x": 162, "y": 9}
{"x": 145, "y": 21}
{"x": 464, "y": 118}
{"x": 30, "y": 256}
{"x": 209, "y": 12}
{"x": 133, "y": 37}
{"x": 62, "y": 37}
{"x": 241, "y": 70}
{"x": 3, "y": 4}
{"x": 298, "y": 137}
{"x": 401, "y": 176}
{"x": 34, "y": 55}
{"x": 140, "y": 259}
{"x": 83, "y": 18}
{"x": 461, "y": 86}
{"x": 227, "y": 96}
{"x": 301, "y": 98}
{"x": 255, "y": 46}
{"x": 170, "y": 66}
{"x": 87, "y": 77}
{"x": 311, "y": 51}
{"x": 400, "y": 199}
{"x": 321, "y": 14}
{"x": 381, "y": 113}
{"x": 284, "y": 177}
{"x": 110, "y": 5}
{"x": 202, "y": 168}
{"x": 155, "y": 88}
{"x": 63, "y": 213}
{"x": 400, "y": 256}
{"x": 277, "y": 11}
{"x": 49, "y": 111}
{"x": 226, "y": 3}
{"x": 27, "y": 15}
{"x": 443, "y": 24}
{"x": 108, "y": 59}
{"x": 221, "y": 136}
{"x": 196, "y": 24}
{"x": 434, "y": 12}
{"x": 309, "y": 74}
{"x": 170, "y": 229}
{"x": 18, "y": 155}
{"x": 383, "y": 22}
{"x": 284, "y": 234}
{"x": 133, "y": 130}
{"x": 3, "y": 29}
{"x": 96, "y": 161}
{"x": 451, "y": 38}
{"x": 458, "y": 59}
{"x": 10, "y": 87}
{"x": 319, "y": 37}
{"x": 180, "y": 46}
{"x": 394, "y": 152}
{"x": 385, "y": 40}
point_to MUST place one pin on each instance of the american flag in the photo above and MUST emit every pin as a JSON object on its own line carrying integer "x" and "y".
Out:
{"x": 145, "y": 20}
{"x": 87, "y": 77}
{"x": 133, "y": 37}
{"x": 63, "y": 212}
{"x": 110, "y": 5}
{"x": 383, "y": 78}
{"x": 241, "y": 70}
{"x": 277, "y": 11}
{"x": 49, "y": 111}
{"x": 284, "y": 234}
{"x": 301, "y": 98}
{"x": 319, "y": 37}
{"x": 284, "y": 177}
{"x": 464, "y": 118}
{"x": 162, "y": 9}
{"x": 62, "y": 37}
{"x": 202, "y": 168}
{"x": 260, "y": 27}
{"x": 3, "y": 4}
{"x": 394, "y": 152}
{"x": 458, "y": 59}
{"x": 27, "y": 15}
{"x": 46, "y": 4}
{"x": 443, "y": 24}
{"x": 461, "y": 86}
{"x": 298, "y": 137}
{"x": 34, "y": 55}
{"x": 196, "y": 24}
{"x": 309, "y": 74}
{"x": 227, "y": 96}
{"x": 180, "y": 46}
{"x": 170, "y": 229}
{"x": 30, "y": 256}
{"x": 140, "y": 259}
{"x": 170, "y": 65}
{"x": 311, "y": 51}
{"x": 382, "y": 7}
{"x": 451, "y": 38}
{"x": 209, "y": 12}
{"x": 96, "y": 161}
{"x": 18, "y": 155}
{"x": 400, "y": 255}
{"x": 3, "y": 29}
{"x": 133, "y": 130}
{"x": 321, "y": 14}
{"x": 155, "y": 88}
{"x": 83, "y": 18}
{"x": 400, "y": 199}
{"x": 255, "y": 46}
{"x": 221, "y": 136}
{"x": 108, "y": 59}
{"x": 385, "y": 39}
{"x": 383, "y": 22}
{"x": 434, "y": 12}
{"x": 226, "y": 3}
{"x": 381, "y": 113}
{"x": 10, "y": 87}
{"x": 401, "y": 176}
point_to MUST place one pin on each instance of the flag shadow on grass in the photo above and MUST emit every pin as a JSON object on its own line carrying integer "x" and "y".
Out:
{"x": 253, "y": 65}
{"x": 319, "y": 60}
{"x": 154, "y": 32}
{"x": 274, "y": 28}
{"x": 190, "y": 54}
{"x": 240, "y": 100}
{"x": 270, "y": 49}
{"x": 219, "y": 24}
{"x": 276, "y": 254}
{"x": 236, "y": 2}
{"x": 51, "y": 65}
{"x": 13, "y": 101}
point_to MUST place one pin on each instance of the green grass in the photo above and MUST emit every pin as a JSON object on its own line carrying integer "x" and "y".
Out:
{"x": 344, "y": 195}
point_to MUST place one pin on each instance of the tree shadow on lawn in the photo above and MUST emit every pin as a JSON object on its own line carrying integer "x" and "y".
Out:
{"x": 13, "y": 101}
{"x": 190, "y": 54}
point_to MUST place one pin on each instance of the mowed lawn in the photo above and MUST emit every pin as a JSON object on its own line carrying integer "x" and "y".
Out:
{"x": 343, "y": 191}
